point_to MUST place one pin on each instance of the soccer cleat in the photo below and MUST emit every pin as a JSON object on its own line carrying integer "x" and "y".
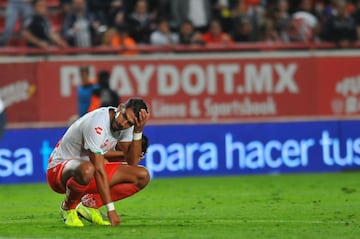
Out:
{"x": 91, "y": 214}
{"x": 71, "y": 218}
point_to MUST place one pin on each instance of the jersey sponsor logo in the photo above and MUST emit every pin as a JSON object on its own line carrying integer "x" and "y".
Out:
{"x": 105, "y": 143}
{"x": 58, "y": 143}
{"x": 98, "y": 130}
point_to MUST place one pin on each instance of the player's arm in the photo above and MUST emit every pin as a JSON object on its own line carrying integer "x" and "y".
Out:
{"x": 103, "y": 186}
{"x": 28, "y": 36}
{"x": 100, "y": 175}
{"x": 113, "y": 154}
{"x": 132, "y": 151}
{"x": 57, "y": 39}
{"x": 93, "y": 137}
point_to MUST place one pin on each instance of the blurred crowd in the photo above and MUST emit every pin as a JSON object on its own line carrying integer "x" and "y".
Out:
{"x": 91, "y": 23}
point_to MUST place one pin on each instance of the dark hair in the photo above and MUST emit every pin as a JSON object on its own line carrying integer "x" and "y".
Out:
{"x": 187, "y": 21}
{"x": 162, "y": 20}
{"x": 144, "y": 143}
{"x": 136, "y": 104}
{"x": 103, "y": 79}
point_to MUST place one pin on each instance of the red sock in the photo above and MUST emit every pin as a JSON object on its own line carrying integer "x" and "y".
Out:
{"x": 74, "y": 191}
{"x": 123, "y": 190}
{"x": 118, "y": 192}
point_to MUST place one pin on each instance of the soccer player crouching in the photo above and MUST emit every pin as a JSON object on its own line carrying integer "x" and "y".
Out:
{"x": 77, "y": 165}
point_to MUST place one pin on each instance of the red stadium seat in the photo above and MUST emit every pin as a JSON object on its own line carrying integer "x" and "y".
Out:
{"x": 50, "y": 3}
{"x": 3, "y": 4}
{"x": 53, "y": 3}
{"x": 17, "y": 41}
{"x": 17, "y": 26}
{"x": 56, "y": 20}
{"x": 2, "y": 24}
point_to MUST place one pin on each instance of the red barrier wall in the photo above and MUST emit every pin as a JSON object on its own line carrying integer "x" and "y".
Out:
{"x": 19, "y": 90}
{"x": 196, "y": 88}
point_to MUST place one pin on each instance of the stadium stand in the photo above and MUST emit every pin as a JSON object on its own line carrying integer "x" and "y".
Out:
{"x": 55, "y": 16}
{"x": 256, "y": 11}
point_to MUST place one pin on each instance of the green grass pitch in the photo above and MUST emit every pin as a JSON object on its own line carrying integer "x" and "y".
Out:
{"x": 283, "y": 206}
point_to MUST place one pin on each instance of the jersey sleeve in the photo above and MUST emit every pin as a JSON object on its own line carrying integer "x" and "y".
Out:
{"x": 94, "y": 135}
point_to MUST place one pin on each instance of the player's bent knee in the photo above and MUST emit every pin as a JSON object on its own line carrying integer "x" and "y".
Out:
{"x": 143, "y": 176}
{"x": 87, "y": 172}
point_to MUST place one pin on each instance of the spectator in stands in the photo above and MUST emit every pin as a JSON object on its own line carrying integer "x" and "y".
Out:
{"x": 282, "y": 20}
{"x": 103, "y": 95}
{"x": 215, "y": 35}
{"x": 356, "y": 16}
{"x": 187, "y": 34}
{"x": 163, "y": 35}
{"x": 84, "y": 91}
{"x": 239, "y": 10}
{"x": 304, "y": 26}
{"x": 115, "y": 7}
{"x": 14, "y": 9}
{"x": 37, "y": 30}
{"x": 221, "y": 9}
{"x": 99, "y": 8}
{"x": 249, "y": 12}
{"x": 65, "y": 6}
{"x": 238, "y": 13}
{"x": 160, "y": 9}
{"x": 340, "y": 27}
{"x": 81, "y": 28}
{"x": 243, "y": 30}
{"x": 269, "y": 32}
{"x": 141, "y": 23}
{"x": 117, "y": 36}
{"x": 198, "y": 12}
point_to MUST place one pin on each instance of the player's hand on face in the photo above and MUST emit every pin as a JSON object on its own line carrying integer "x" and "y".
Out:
{"x": 113, "y": 218}
{"x": 140, "y": 123}
{"x": 119, "y": 108}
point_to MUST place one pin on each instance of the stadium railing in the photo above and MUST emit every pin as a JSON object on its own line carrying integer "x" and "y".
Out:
{"x": 239, "y": 47}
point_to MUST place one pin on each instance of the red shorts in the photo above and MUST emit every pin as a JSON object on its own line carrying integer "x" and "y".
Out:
{"x": 53, "y": 176}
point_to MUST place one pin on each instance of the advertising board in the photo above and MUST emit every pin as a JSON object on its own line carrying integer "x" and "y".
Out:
{"x": 199, "y": 150}
{"x": 192, "y": 88}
